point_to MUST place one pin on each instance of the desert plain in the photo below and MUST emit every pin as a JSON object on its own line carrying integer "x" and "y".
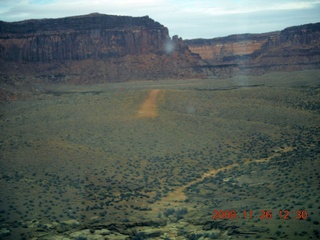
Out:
{"x": 167, "y": 152}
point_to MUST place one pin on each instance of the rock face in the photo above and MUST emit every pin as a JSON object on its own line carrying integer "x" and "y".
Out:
{"x": 96, "y": 46}
{"x": 99, "y": 48}
{"x": 93, "y": 36}
{"x": 218, "y": 48}
{"x": 293, "y": 48}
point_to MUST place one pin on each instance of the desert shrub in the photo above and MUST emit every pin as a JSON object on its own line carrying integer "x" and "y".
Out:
{"x": 195, "y": 236}
{"x": 211, "y": 236}
{"x": 181, "y": 212}
{"x": 81, "y": 238}
{"x": 169, "y": 211}
{"x": 139, "y": 236}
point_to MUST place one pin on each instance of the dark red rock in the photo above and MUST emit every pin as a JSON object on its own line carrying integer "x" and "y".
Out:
{"x": 294, "y": 48}
{"x": 93, "y": 36}
{"x": 93, "y": 48}
{"x": 97, "y": 48}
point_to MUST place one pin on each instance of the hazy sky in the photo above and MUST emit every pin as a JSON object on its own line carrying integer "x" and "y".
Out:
{"x": 186, "y": 18}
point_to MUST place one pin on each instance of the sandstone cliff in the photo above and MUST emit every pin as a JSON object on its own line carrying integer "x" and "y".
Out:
{"x": 218, "y": 48}
{"x": 93, "y": 48}
{"x": 98, "y": 48}
{"x": 76, "y": 38}
{"x": 293, "y": 48}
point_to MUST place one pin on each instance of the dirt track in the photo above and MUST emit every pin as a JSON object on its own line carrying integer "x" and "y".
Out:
{"x": 148, "y": 109}
{"x": 177, "y": 197}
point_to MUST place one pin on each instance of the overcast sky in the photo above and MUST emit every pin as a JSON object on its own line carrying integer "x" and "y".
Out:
{"x": 186, "y": 18}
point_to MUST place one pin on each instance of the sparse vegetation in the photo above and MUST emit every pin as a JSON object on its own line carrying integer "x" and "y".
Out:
{"x": 88, "y": 156}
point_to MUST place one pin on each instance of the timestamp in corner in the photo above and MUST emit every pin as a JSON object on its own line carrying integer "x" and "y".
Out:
{"x": 262, "y": 214}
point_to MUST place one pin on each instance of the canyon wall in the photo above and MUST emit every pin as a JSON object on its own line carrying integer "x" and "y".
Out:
{"x": 93, "y": 47}
{"x": 234, "y": 45}
{"x": 293, "y": 48}
{"x": 76, "y": 38}
{"x": 106, "y": 48}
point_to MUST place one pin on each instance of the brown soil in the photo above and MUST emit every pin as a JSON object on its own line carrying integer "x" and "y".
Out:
{"x": 175, "y": 198}
{"x": 148, "y": 109}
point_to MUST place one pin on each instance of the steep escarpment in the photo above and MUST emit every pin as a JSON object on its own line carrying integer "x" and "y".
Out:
{"x": 77, "y": 38}
{"x": 105, "y": 48}
{"x": 293, "y": 48}
{"x": 218, "y": 48}
{"x": 92, "y": 48}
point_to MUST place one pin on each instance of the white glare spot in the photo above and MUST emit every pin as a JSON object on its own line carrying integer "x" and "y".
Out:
{"x": 168, "y": 46}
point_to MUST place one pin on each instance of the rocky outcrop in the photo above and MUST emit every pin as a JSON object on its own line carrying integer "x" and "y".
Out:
{"x": 235, "y": 45}
{"x": 98, "y": 48}
{"x": 93, "y": 48}
{"x": 305, "y": 36}
{"x": 293, "y": 48}
{"x": 93, "y": 36}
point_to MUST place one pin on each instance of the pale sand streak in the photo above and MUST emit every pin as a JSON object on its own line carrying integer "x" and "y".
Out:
{"x": 148, "y": 109}
{"x": 176, "y": 198}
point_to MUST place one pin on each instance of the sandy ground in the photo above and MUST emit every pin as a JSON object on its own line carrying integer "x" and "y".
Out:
{"x": 148, "y": 109}
{"x": 177, "y": 197}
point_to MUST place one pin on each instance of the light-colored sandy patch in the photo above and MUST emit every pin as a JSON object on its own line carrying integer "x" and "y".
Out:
{"x": 178, "y": 196}
{"x": 148, "y": 109}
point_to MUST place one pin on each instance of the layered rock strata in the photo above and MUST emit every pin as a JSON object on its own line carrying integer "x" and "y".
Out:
{"x": 93, "y": 48}
{"x": 294, "y": 48}
{"x": 106, "y": 48}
